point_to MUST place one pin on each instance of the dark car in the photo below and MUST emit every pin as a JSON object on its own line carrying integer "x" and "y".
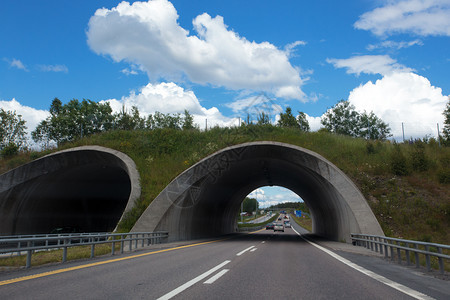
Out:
{"x": 269, "y": 226}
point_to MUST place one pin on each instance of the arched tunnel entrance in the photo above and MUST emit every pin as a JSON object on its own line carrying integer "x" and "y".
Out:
{"x": 84, "y": 189}
{"x": 205, "y": 199}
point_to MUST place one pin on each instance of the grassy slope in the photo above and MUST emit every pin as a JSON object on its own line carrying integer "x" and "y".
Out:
{"x": 416, "y": 206}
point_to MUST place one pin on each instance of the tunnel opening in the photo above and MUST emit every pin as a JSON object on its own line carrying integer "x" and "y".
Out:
{"x": 73, "y": 191}
{"x": 264, "y": 204}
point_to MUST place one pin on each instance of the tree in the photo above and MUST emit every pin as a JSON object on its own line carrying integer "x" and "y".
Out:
{"x": 302, "y": 121}
{"x": 188, "y": 121}
{"x": 73, "y": 120}
{"x": 372, "y": 127}
{"x": 341, "y": 119}
{"x": 129, "y": 121}
{"x": 344, "y": 119}
{"x": 287, "y": 119}
{"x": 263, "y": 119}
{"x": 12, "y": 131}
{"x": 446, "y": 129}
{"x": 250, "y": 205}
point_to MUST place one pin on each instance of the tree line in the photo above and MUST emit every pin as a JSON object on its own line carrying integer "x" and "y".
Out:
{"x": 77, "y": 119}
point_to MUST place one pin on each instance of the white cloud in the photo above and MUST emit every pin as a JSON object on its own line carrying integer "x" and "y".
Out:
{"x": 394, "y": 45}
{"x": 53, "y": 68}
{"x": 147, "y": 34}
{"x": 16, "y": 63}
{"x": 420, "y": 17}
{"x": 169, "y": 98}
{"x": 127, "y": 71}
{"x": 369, "y": 64}
{"x": 403, "y": 97}
{"x": 31, "y": 115}
{"x": 268, "y": 196}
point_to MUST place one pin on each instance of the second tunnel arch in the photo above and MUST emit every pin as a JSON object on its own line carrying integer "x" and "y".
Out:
{"x": 204, "y": 200}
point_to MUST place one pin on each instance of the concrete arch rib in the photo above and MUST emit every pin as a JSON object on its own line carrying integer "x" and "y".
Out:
{"x": 87, "y": 188}
{"x": 205, "y": 199}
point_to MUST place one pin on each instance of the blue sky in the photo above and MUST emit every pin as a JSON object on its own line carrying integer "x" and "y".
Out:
{"x": 224, "y": 59}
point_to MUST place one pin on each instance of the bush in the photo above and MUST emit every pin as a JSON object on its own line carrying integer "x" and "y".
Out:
{"x": 399, "y": 165}
{"x": 10, "y": 150}
{"x": 419, "y": 161}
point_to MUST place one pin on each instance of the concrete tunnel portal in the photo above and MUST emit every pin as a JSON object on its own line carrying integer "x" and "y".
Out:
{"x": 84, "y": 189}
{"x": 90, "y": 189}
{"x": 205, "y": 199}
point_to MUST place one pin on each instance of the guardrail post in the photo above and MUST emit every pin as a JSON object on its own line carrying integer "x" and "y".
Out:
{"x": 92, "y": 247}
{"x": 399, "y": 254}
{"x": 408, "y": 260}
{"x": 416, "y": 256}
{"x": 427, "y": 258}
{"x": 143, "y": 240}
{"x": 64, "y": 251}
{"x": 121, "y": 243}
{"x": 29, "y": 253}
{"x": 441, "y": 261}
{"x": 392, "y": 250}
{"x": 136, "y": 241}
{"x": 113, "y": 248}
{"x": 131, "y": 242}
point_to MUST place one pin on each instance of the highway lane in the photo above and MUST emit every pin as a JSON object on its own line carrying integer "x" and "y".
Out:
{"x": 262, "y": 265}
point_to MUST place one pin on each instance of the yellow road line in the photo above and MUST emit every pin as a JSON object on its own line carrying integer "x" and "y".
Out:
{"x": 24, "y": 278}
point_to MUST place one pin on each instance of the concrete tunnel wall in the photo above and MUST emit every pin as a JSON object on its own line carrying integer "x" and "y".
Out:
{"x": 87, "y": 189}
{"x": 205, "y": 199}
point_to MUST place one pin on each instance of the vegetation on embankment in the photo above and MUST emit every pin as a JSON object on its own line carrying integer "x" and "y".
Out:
{"x": 406, "y": 185}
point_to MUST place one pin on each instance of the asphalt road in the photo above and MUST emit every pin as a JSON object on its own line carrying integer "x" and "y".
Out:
{"x": 262, "y": 265}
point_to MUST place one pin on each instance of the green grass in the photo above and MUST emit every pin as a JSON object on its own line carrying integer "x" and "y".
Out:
{"x": 412, "y": 206}
{"x": 55, "y": 256}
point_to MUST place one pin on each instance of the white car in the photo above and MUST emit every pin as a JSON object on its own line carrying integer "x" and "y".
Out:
{"x": 287, "y": 225}
{"x": 278, "y": 227}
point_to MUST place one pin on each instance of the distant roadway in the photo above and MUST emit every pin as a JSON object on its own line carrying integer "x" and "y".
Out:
{"x": 261, "y": 265}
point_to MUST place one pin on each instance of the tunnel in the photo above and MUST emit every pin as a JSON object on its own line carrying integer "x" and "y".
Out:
{"x": 204, "y": 200}
{"x": 84, "y": 189}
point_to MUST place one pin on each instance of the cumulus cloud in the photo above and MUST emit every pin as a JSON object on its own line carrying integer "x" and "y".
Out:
{"x": 420, "y": 17}
{"x": 147, "y": 34}
{"x": 169, "y": 98}
{"x": 403, "y": 97}
{"x": 369, "y": 64}
{"x": 31, "y": 115}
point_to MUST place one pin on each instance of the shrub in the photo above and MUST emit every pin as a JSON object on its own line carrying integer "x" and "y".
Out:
{"x": 9, "y": 150}
{"x": 419, "y": 162}
{"x": 399, "y": 165}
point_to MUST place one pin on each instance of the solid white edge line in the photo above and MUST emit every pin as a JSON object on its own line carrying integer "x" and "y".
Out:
{"x": 243, "y": 251}
{"x": 400, "y": 287}
{"x": 192, "y": 282}
{"x": 217, "y": 276}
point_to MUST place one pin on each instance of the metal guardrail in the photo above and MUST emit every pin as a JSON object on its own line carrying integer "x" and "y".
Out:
{"x": 392, "y": 247}
{"x": 31, "y": 244}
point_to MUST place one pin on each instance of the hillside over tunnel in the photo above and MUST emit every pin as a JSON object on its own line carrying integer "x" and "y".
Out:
{"x": 90, "y": 188}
